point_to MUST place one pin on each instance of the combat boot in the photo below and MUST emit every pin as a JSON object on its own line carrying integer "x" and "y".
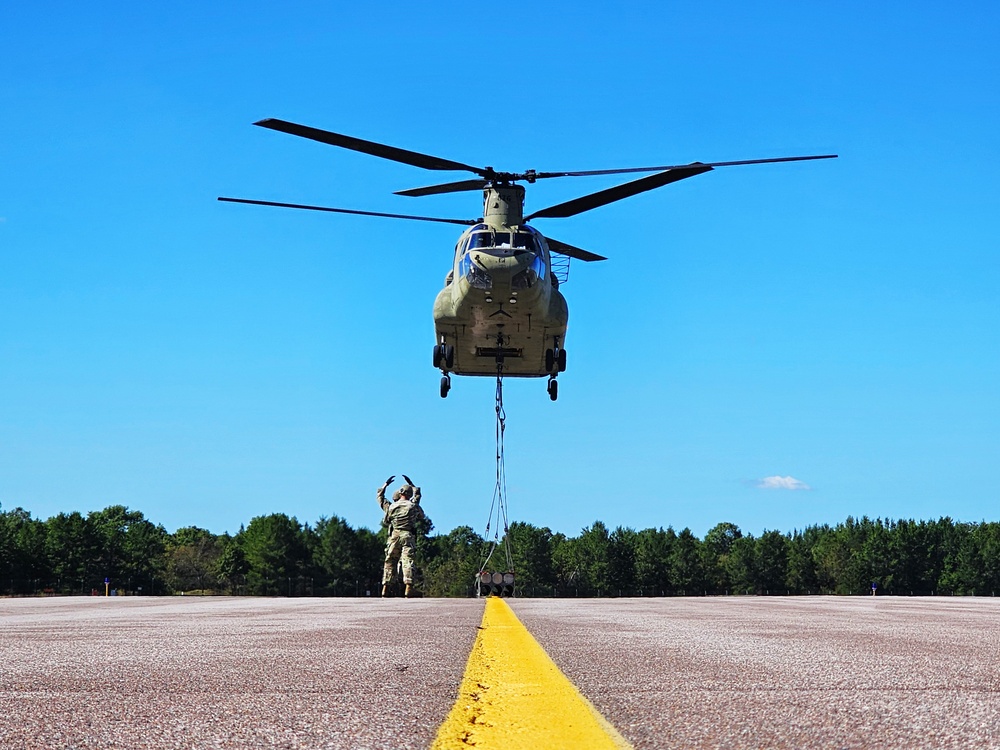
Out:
{"x": 409, "y": 588}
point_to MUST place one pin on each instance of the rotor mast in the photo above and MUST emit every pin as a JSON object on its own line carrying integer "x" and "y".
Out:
{"x": 503, "y": 205}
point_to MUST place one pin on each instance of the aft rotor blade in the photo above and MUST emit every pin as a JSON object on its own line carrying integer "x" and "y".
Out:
{"x": 573, "y": 252}
{"x": 592, "y": 172}
{"x": 368, "y": 147}
{"x": 617, "y": 193}
{"x": 463, "y": 222}
{"x": 449, "y": 187}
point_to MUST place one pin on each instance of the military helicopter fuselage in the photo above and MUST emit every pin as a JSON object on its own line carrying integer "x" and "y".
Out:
{"x": 501, "y": 312}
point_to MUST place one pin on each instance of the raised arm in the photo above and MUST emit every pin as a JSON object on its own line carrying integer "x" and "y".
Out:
{"x": 380, "y": 494}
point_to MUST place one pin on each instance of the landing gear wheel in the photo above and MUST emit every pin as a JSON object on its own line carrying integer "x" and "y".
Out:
{"x": 445, "y": 386}
{"x": 562, "y": 360}
{"x": 553, "y": 389}
{"x": 444, "y": 357}
{"x": 550, "y": 360}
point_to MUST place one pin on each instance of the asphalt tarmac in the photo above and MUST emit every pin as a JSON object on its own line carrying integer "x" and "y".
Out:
{"x": 192, "y": 672}
{"x": 736, "y": 672}
{"x": 776, "y": 672}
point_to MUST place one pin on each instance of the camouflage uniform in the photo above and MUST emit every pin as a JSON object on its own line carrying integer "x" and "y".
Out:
{"x": 401, "y": 516}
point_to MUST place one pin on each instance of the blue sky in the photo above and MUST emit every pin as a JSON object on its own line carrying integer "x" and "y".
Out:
{"x": 774, "y": 346}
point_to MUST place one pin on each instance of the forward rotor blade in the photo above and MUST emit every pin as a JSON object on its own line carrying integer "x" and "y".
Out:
{"x": 463, "y": 222}
{"x": 592, "y": 172}
{"x": 449, "y": 187}
{"x": 368, "y": 147}
{"x": 573, "y": 252}
{"x": 617, "y": 193}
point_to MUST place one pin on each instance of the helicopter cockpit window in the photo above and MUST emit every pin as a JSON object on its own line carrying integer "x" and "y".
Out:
{"x": 476, "y": 276}
{"x": 525, "y": 241}
{"x": 515, "y": 240}
{"x": 527, "y": 278}
{"x": 481, "y": 239}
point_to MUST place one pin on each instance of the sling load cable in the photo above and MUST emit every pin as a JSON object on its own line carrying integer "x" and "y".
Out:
{"x": 499, "y": 502}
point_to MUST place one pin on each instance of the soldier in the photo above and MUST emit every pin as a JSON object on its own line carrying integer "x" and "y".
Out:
{"x": 401, "y": 516}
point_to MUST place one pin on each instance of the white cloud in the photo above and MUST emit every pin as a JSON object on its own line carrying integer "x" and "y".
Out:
{"x": 781, "y": 483}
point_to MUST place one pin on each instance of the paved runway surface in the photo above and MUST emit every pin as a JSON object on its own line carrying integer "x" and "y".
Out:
{"x": 230, "y": 673}
{"x": 365, "y": 673}
{"x": 798, "y": 672}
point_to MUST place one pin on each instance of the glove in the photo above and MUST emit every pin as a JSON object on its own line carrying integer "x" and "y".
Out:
{"x": 389, "y": 480}
{"x": 408, "y": 480}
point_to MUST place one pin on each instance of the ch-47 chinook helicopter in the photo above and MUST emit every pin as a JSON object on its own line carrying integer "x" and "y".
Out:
{"x": 501, "y": 311}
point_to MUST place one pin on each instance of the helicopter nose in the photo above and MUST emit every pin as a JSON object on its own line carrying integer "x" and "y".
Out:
{"x": 501, "y": 265}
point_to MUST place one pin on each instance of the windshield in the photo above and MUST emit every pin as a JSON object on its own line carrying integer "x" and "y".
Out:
{"x": 508, "y": 242}
{"x": 502, "y": 239}
{"x": 477, "y": 277}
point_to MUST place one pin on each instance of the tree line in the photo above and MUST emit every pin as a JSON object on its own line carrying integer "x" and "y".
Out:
{"x": 277, "y": 555}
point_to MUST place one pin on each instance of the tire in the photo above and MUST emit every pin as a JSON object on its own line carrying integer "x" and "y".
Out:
{"x": 550, "y": 360}
{"x": 562, "y": 360}
{"x": 553, "y": 389}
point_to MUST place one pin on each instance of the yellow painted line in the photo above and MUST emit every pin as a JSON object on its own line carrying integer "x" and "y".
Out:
{"x": 514, "y": 696}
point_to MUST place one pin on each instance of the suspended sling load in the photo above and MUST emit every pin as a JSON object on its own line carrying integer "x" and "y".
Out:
{"x": 490, "y": 581}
